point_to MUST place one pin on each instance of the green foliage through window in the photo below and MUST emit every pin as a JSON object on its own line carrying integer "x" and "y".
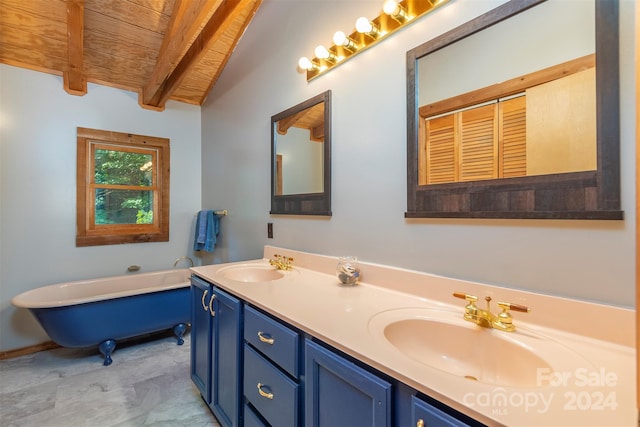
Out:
{"x": 124, "y": 207}
{"x": 123, "y": 169}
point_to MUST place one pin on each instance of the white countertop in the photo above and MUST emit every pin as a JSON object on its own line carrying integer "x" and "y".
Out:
{"x": 598, "y": 390}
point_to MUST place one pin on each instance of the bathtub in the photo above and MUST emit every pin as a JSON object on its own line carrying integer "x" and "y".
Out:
{"x": 101, "y": 311}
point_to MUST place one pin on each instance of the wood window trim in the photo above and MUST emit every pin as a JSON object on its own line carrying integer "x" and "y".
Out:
{"x": 88, "y": 234}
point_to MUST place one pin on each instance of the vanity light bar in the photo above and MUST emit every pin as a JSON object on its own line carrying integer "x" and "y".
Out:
{"x": 396, "y": 14}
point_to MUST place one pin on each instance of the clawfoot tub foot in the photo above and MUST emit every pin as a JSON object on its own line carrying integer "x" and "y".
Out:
{"x": 106, "y": 348}
{"x": 178, "y": 331}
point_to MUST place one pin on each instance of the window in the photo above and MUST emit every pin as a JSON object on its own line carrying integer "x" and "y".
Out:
{"x": 122, "y": 188}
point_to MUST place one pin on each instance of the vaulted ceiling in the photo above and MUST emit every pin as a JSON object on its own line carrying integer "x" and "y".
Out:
{"x": 161, "y": 49}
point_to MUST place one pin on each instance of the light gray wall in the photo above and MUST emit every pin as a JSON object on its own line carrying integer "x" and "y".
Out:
{"x": 591, "y": 260}
{"x": 489, "y": 57}
{"x": 302, "y": 162}
{"x": 38, "y": 121}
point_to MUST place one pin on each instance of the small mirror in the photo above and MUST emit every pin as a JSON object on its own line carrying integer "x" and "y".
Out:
{"x": 301, "y": 158}
{"x": 508, "y": 121}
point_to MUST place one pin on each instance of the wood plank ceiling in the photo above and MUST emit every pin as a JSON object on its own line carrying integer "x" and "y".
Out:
{"x": 160, "y": 49}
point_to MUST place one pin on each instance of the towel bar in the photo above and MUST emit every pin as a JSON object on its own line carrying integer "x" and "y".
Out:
{"x": 223, "y": 212}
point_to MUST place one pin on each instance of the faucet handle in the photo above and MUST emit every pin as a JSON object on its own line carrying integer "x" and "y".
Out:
{"x": 504, "y": 318}
{"x": 470, "y": 310}
{"x": 514, "y": 307}
{"x": 470, "y": 298}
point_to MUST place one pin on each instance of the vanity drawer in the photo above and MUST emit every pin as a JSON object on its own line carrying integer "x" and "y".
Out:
{"x": 275, "y": 340}
{"x": 251, "y": 419}
{"x": 274, "y": 395}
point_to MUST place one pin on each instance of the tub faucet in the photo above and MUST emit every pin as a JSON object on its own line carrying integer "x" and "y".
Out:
{"x": 502, "y": 321}
{"x": 181, "y": 258}
{"x": 281, "y": 262}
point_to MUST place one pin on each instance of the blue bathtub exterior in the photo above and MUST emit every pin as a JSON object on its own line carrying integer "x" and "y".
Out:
{"x": 104, "y": 322}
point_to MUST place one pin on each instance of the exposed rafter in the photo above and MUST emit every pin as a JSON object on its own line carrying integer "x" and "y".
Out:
{"x": 159, "y": 49}
{"x": 311, "y": 118}
{"x": 75, "y": 81}
{"x": 170, "y": 69}
{"x": 252, "y": 7}
{"x": 187, "y": 19}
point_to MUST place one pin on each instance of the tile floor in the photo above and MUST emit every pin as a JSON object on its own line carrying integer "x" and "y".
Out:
{"x": 148, "y": 384}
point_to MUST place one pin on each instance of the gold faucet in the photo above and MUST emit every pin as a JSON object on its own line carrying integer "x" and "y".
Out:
{"x": 281, "y": 262}
{"x": 485, "y": 318}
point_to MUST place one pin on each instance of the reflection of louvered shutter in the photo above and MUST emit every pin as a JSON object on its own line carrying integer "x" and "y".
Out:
{"x": 440, "y": 150}
{"x": 478, "y": 143}
{"x": 514, "y": 137}
{"x": 485, "y": 142}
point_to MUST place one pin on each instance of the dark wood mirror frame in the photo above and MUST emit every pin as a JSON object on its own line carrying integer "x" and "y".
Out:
{"x": 304, "y": 204}
{"x": 575, "y": 195}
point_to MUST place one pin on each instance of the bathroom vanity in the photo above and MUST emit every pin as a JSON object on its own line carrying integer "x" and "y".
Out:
{"x": 292, "y": 348}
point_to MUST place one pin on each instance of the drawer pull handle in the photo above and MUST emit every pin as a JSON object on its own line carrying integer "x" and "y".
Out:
{"x": 213, "y": 313}
{"x": 265, "y": 339}
{"x": 420, "y": 423}
{"x": 264, "y": 393}
{"x": 204, "y": 295}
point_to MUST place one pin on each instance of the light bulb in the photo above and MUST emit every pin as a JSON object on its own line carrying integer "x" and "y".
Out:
{"x": 341, "y": 39}
{"x": 326, "y": 55}
{"x": 363, "y": 25}
{"x": 390, "y": 7}
{"x": 305, "y": 64}
{"x": 321, "y": 52}
{"x": 395, "y": 10}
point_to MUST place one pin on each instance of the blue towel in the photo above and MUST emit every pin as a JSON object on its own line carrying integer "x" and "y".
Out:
{"x": 207, "y": 228}
{"x": 201, "y": 227}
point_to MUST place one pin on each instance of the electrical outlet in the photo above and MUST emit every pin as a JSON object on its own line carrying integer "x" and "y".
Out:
{"x": 269, "y": 230}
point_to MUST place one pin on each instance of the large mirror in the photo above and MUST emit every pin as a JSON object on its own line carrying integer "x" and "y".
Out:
{"x": 514, "y": 115}
{"x": 301, "y": 158}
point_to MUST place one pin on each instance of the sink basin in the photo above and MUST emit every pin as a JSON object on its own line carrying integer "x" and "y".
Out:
{"x": 443, "y": 340}
{"x": 251, "y": 273}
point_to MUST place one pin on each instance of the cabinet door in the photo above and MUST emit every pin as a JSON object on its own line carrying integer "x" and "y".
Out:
{"x": 226, "y": 359}
{"x": 340, "y": 393}
{"x": 201, "y": 324}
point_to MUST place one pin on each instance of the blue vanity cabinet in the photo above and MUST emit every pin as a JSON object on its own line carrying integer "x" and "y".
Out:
{"x": 201, "y": 326}
{"x": 216, "y": 350}
{"x": 226, "y": 359}
{"x": 341, "y": 393}
{"x": 255, "y": 370}
{"x": 272, "y": 371}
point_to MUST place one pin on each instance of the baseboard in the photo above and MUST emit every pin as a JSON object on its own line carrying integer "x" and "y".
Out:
{"x": 10, "y": 354}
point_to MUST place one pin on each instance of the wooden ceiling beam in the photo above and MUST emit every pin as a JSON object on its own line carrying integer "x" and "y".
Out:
{"x": 74, "y": 79}
{"x": 236, "y": 38}
{"x": 288, "y": 122}
{"x": 176, "y": 24}
{"x": 165, "y": 80}
{"x": 187, "y": 19}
